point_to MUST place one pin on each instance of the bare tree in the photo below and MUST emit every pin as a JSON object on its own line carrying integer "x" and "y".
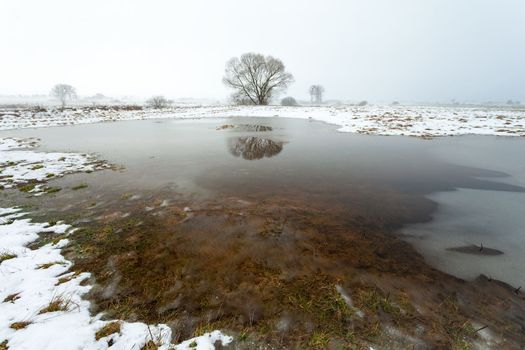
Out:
{"x": 158, "y": 102}
{"x": 316, "y": 93}
{"x": 255, "y": 78}
{"x": 63, "y": 92}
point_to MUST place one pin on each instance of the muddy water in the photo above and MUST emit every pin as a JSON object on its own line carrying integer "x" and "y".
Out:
{"x": 235, "y": 222}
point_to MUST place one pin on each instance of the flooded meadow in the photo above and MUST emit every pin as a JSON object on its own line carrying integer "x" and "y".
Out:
{"x": 288, "y": 234}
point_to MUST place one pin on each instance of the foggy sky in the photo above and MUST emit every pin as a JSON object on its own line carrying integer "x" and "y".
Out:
{"x": 379, "y": 50}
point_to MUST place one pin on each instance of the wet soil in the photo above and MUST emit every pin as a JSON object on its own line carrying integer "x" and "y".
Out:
{"x": 281, "y": 271}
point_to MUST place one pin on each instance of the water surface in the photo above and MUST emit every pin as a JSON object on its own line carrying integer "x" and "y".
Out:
{"x": 470, "y": 186}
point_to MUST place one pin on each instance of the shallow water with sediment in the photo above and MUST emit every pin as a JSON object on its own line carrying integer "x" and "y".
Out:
{"x": 248, "y": 224}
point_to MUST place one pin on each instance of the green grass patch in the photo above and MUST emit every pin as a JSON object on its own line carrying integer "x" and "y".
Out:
{"x": 52, "y": 189}
{"x": 79, "y": 186}
{"x": 26, "y": 188}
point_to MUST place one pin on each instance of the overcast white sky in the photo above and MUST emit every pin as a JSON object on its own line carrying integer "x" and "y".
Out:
{"x": 379, "y": 50}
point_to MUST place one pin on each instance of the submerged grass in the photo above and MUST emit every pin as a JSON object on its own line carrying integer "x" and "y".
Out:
{"x": 79, "y": 186}
{"x": 212, "y": 270}
{"x": 27, "y": 188}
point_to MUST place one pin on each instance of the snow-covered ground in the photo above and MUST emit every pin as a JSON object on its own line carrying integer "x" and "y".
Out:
{"x": 19, "y": 164}
{"x": 423, "y": 121}
{"x": 41, "y": 305}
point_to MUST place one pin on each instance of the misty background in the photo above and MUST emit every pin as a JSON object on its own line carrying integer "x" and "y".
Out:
{"x": 379, "y": 50}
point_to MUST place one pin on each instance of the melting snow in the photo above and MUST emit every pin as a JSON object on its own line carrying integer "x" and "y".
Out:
{"x": 423, "y": 121}
{"x": 32, "y": 279}
{"x": 21, "y": 165}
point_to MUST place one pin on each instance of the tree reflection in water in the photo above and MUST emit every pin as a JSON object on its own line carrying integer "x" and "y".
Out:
{"x": 252, "y": 147}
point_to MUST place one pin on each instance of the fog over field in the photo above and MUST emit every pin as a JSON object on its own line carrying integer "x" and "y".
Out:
{"x": 407, "y": 50}
{"x": 271, "y": 175}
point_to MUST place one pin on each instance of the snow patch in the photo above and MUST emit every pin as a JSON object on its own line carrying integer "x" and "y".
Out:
{"x": 421, "y": 121}
{"x": 33, "y": 279}
{"x": 20, "y": 165}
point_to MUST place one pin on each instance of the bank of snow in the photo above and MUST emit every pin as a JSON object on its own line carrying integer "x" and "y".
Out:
{"x": 41, "y": 305}
{"x": 20, "y": 164}
{"x": 421, "y": 121}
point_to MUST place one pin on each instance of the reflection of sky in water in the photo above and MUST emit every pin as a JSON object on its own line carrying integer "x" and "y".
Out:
{"x": 312, "y": 158}
{"x": 464, "y": 217}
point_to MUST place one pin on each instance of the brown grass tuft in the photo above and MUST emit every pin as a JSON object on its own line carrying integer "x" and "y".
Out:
{"x": 150, "y": 345}
{"x": 57, "y": 303}
{"x": 6, "y": 256}
{"x": 19, "y": 325}
{"x": 108, "y": 329}
{"x": 49, "y": 264}
{"x": 11, "y": 298}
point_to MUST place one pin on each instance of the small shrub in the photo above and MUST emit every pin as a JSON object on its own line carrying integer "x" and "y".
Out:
{"x": 289, "y": 101}
{"x": 158, "y": 102}
{"x": 362, "y": 103}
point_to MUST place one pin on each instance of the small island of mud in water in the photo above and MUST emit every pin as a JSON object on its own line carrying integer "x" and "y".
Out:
{"x": 477, "y": 250}
{"x": 296, "y": 251}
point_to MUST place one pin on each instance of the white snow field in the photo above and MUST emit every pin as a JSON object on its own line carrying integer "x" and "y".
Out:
{"x": 421, "y": 121}
{"x": 41, "y": 305}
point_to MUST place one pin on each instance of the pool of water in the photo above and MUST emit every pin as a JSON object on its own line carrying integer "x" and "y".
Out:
{"x": 471, "y": 187}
